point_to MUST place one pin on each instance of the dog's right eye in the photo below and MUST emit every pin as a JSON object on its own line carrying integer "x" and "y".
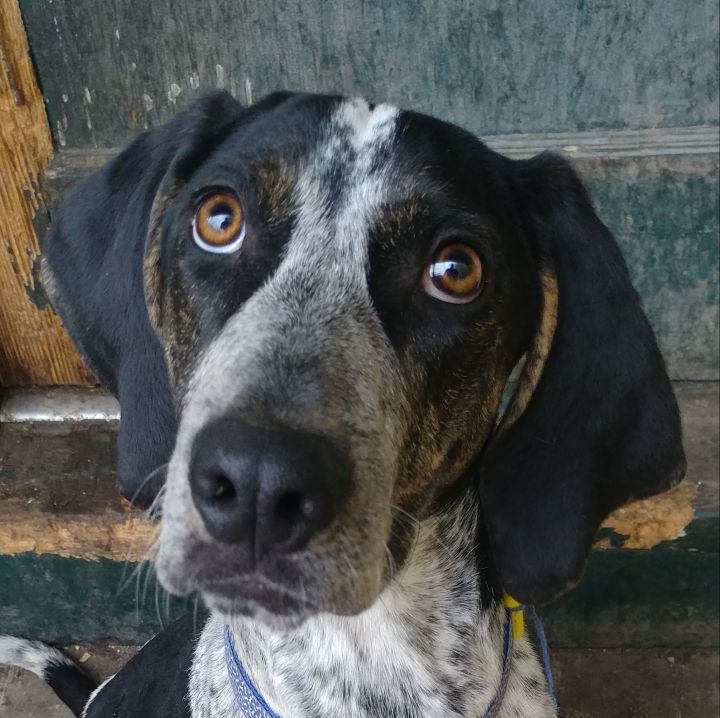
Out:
{"x": 219, "y": 223}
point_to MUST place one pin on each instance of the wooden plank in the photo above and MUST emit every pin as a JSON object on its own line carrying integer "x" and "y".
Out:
{"x": 33, "y": 347}
{"x": 639, "y": 598}
{"x": 70, "y": 548}
{"x": 58, "y": 496}
{"x": 627, "y": 598}
{"x": 71, "y": 600}
{"x": 112, "y": 69}
{"x": 664, "y": 211}
{"x": 59, "y": 405}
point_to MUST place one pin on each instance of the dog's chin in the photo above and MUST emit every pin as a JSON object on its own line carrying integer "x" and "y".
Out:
{"x": 276, "y": 610}
{"x": 271, "y": 605}
{"x": 232, "y": 610}
{"x": 251, "y": 595}
{"x": 281, "y": 596}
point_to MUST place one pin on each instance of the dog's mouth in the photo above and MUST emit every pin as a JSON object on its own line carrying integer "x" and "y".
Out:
{"x": 245, "y": 594}
{"x": 279, "y": 591}
{"x": 270, "y": 540}
{"x": 234, "y": 585}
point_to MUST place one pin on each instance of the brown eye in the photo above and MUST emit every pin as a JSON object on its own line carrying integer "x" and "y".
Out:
{"x": 454, "y": 275}
{"x": 219, "y": 223}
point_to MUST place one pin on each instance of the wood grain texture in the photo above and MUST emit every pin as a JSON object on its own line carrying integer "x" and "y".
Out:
{"x": 69, "y": 546}
{"x": 33, "y": 347}
{"x": 58, "y": 495}
{"x": 112, "y": 67}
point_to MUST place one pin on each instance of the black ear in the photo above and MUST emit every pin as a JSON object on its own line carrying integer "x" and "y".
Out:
{"x": 93, "y": 271}
{"x": 601, "y": 426}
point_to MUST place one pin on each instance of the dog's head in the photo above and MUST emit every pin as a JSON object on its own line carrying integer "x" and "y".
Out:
{"x": 341, "y": 292}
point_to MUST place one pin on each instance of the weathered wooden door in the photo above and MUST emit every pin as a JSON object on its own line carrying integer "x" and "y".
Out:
{"x": 33, "y": 348}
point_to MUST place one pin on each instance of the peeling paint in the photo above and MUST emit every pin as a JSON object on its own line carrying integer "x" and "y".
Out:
{"x": 174, "y": 92}
{"x": 34, "y": 349}
{"x": 248, "y": 91}
{"x": 194, "y": 81}
{"x": 88, "y": 96}
{"x": 13, "y": 262}
{"x": 220, "y": 76}
{"x": 60, "y": 134}
{"x": 148, "y": 102}
{"x": 34, "y": 288}
{"x": 116, "y": 537}
{"x": 649, "y": 522}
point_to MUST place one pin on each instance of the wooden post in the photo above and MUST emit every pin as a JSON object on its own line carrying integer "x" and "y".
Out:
{"x": 34, "y": 348}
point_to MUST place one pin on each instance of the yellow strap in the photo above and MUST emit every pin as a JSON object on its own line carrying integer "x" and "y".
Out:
{"x": 517, "y": 618}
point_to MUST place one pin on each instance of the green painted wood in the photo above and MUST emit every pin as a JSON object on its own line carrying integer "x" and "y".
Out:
{"x": 664, "y": 212}
{"x": 110, "y": 68}
{"x": 68, "y": 600}
{"x": 627, "y": 598}
{"x": 664, "y": 596}
{"x": 640, "y": 598}
{"x": 663, "y": 208}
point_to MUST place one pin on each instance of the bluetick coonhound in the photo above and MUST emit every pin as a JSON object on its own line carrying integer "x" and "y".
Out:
{"x": 309, "y": 310}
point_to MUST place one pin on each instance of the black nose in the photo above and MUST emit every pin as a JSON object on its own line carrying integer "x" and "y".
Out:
{"x": 270, "y": 489}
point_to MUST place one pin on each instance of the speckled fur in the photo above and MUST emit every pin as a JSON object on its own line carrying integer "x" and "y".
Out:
{"x": 425, "y": 649}
{"x": 307, "y": 350}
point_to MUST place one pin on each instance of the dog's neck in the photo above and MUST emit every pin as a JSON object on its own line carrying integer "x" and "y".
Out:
{"x": 431, "y": 645}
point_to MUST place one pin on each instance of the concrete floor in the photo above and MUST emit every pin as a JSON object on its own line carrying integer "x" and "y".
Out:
{"x": 593, "y": 683}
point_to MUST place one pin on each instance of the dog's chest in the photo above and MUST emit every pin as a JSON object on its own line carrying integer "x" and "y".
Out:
{"x": 427, "y": 648}
{"x": 417, "y": 672}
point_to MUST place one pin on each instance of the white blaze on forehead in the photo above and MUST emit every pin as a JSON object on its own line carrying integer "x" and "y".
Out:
{"x": 354, "y": 152}
{"x": 367, "y": 126}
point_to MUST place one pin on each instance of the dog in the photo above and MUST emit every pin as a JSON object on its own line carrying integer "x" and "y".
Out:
{"x": 310, "y": 310}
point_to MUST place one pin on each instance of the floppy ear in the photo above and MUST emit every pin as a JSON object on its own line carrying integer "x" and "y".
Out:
{"x": 594, "y": 423}
{"x": 93, "y": 271}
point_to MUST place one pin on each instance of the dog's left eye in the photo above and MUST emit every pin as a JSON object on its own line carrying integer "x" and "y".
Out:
{"x": 219, "y": 223}
{"x": 454, "y": 275}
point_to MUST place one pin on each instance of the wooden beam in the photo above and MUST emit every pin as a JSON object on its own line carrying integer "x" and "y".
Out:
{"x": 70, "y": 548}
{"x": 34, "y": 348}
{"x": 58, "y": 493}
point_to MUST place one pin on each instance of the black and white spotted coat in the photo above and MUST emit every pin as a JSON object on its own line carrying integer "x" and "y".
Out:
{"x": 428, "y": 648}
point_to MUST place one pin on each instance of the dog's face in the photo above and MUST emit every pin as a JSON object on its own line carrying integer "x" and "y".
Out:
{"x": 341, "y": 291}
{"x": 332, "y": 296}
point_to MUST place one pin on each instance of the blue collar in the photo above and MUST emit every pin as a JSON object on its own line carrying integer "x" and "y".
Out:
{"x": 253, "y": 705}
{"x": 248, "y": 698}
